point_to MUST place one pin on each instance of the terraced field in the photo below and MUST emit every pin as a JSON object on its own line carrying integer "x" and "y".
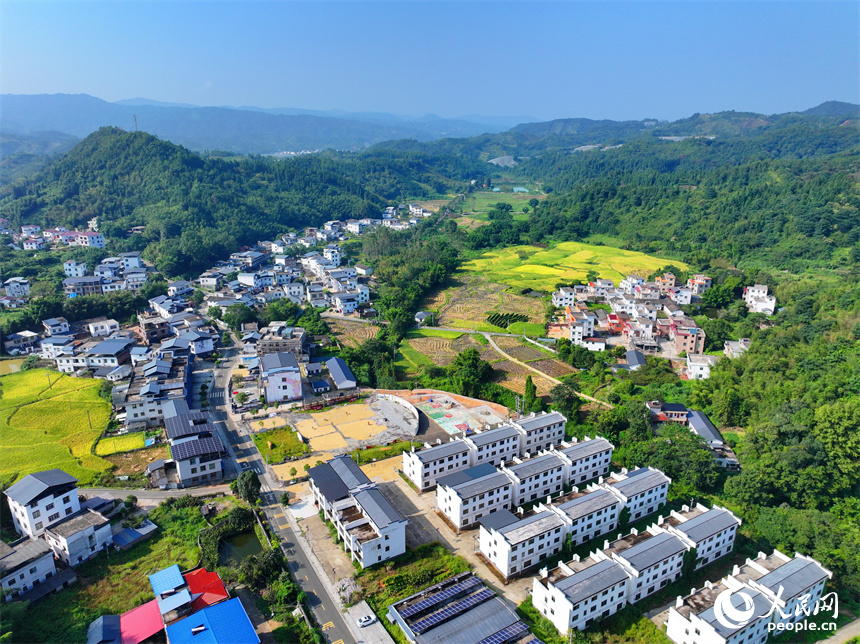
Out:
{"x": 513, "y": 376}
{"x": 351, "y": 334}
{"x": 553, "y": 367}
{"x": 50, "y": 420}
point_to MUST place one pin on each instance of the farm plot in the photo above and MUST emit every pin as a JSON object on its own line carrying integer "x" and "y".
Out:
{"x": 352, "y": 334}
{"x": 472, "y": 298}
{"x": 117, "y": 444}
{"x": 474, "y": 342}
{"x": 542, "y": 268}
{"x": 513, "y": 376}
{"x": 525, "y": 354}
{"x": 554, "y": 368}
{"x": 439, "y": 350}
{"x": 50, "y": 420}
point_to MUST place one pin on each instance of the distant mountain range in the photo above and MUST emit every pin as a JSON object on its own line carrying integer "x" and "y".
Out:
{"x": 49, "y": 123}
{"x": 239, "y": 130}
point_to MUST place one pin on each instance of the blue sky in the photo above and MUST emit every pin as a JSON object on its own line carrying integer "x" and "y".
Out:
{"x": 546, "y": 60}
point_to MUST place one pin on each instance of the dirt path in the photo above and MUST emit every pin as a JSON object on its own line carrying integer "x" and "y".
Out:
{"x": 541, "y": 373}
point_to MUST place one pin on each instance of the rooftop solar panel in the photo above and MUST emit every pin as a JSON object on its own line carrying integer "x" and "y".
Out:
{"x": 507, "y": 633}
{"x": 452, "y": 611}
{"x": 439, "y": 597}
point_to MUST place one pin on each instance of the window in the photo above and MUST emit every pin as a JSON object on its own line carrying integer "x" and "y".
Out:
{"x": 68, "y": 511}
{"x": 33, "y": 570}
{"x": 50, "y": 506}
{"x": 37, "y": 514}
{"x": 38, "y": 526}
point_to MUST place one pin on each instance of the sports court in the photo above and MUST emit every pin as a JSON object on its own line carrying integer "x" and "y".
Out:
{"x": 454, "y": 417}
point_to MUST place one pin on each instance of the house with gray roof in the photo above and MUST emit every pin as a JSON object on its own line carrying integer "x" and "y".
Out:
{"x": 642, "y": 491}
{"x": 651, "y": 559}
{"x": 514, "y": 543}
{"x": 80, "y": 536}
{"x": 535, "y": 477}
{"x": 494, "y": 446}
{"x": 459, "y": 609}
{"x": 540, "y": 431}
{"x": 424, "y": 466}
{"x": 581, "y": 592}
{"x": 587, "y": 514}
{"x": 42, "y": 499}
{"x": 710, "y": 531}
{"x": 464, "y": 497}
{"x": 585, "y": 459}
{"x": 25, "y": 564}
{"x": 341, "y": 374}
{"x": 372, "y": 529}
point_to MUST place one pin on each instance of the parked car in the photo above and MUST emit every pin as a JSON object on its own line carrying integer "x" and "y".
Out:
{"x": 366, "y": 620}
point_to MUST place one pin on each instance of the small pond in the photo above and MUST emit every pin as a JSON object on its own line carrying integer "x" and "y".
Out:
{"x": 234, "y": 549}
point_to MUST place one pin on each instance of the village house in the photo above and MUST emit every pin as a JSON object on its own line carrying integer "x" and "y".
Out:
{"x": 535, "y": 477}
{"x": 586, "y": 513}
{"x": 514, "y": 543}
{"x": 466, "y": 496}
{"x": 758, "y": 301}
{"x": 90, "y": 239}
{"x": 426, "y": 465}
{"x": 699, "y": 365}
{"x": 642, "y": 491}
{"x": 41, "y": 499}
{"x": 585, "y": 460}
{"x": 79, "y": 537}
{"x": 25, "y": 565}
{"x": 17, "y": 287}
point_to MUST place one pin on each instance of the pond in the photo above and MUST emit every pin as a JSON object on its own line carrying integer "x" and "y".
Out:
{"x": 233, "y": 550}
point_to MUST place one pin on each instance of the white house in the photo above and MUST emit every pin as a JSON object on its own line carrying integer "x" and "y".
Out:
{"x": 24, "y": 565}
{"x": 281, "y": 377}
{"x": 710, "y": 531}
{"x": 580, "y": 592}
{"x": 565, "y": 296}
{"x": 680, "y": 295}
{"x": 79, "y": 537}
{"x": 56, "y": 326}
{"x": 426, "y": 465}
{"x": 628, "y": 284}
{"x": 586, "y": 459}
{"x": 758, "y": 301}
{"x": 699, "y": 365}
{"x": 494, "y": 446}
{"x": 42, "y": 499}
{"x": 90, "y": 239}
{"x": 74, "y": 269}
{"x": 370, "y": 527}
{"x": 102, "y": 327}
{"x": 535, "y": 477}
{"x": 179, "y": 288}
{"x": 642, "y": 491}
{"x": 17, "y": 287}
{"x": 540, "y": 431}
{"x": 587, "y": 514}
{"x": 333, "y": 254}
{"x": 699, "y": 283}
{"x": 515, "y": 543}
{"x": 651, "y": 559}
{"x": 33, "y": 243}
{"x": 466, "y": 496}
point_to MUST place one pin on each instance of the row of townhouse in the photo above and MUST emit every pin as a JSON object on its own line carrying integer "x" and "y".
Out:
{"x": 528, "y": 435}
{"x": 581, "y": 515}
{"x": 779, "y": 592}
{"x": 371, "y": 529}
{"x": 578, "y": 593}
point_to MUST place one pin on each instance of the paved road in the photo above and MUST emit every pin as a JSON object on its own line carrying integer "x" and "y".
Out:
{"x": 842, "y": 635}
{"x": 153, "y": 496}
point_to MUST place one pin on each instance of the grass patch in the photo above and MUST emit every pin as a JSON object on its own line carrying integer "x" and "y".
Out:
{"x": 532, "y": 329}
{"x": 541, "y": 269}
{"x": 406, "y": 575}
{"x": 284, "y": 445}
{"x": 410, "y": 359}
{"x": 538, "y": 624}
{"x": 50, "y": 420}
{"x": 433, "y": 333}
{"x": 362, "y": 456}
{"x": 117, "y": 444}
{"x": 477, "y": 326}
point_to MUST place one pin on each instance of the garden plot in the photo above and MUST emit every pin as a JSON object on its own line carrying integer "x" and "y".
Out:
{"x": 552, "y": 367}
{"x": 352, "y": 334}
{"x": 439, "y": 350}
{"x": 524, "y": 354}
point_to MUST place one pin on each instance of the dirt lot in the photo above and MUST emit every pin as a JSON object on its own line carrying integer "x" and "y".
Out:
{"x": 554, "y": 368}
{"x": 351, "y": 334}
{"x": 513, "y": 376}
{"x": 136, "y": 462}
{"x": 525, "y": 354}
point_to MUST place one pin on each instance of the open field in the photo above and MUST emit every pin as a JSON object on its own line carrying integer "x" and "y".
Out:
{"x": 524, "y": 354}
{"x": 49, "y": 420}
{"x": 541, "y": 269}
{"x": 284, "y": 444}
{"x": 132, "y": 463}
{"x": 552, "y": 367}
{"x": 483, "y": 202}
{"x": 472, "y": 297}
{"x": 351, "y": 334}
{"x": 433, "y": 205}
{"x": 117, "y": 444}
{"x": 513, "y": 376}
{"x": 10, "y": 366}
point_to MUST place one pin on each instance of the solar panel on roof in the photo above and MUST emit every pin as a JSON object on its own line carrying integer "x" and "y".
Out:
{"x": 452, "y": 611}
{"x": 507, "y": 633}
{"x": 439, "y": 597}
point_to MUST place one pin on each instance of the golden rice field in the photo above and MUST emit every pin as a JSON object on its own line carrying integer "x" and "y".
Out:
{"x": 119, "y": 444}
{"x": 50, "y": 420}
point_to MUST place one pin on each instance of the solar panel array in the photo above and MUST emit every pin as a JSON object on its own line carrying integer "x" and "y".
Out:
{"x": 509, "y": 632}
{"x": 439, "y": 597}
{"x": 452, "y": 611}
{"x": 534, "y": 640}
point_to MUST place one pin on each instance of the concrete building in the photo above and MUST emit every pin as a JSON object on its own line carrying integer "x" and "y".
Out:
{"x": 587, "y": 514}
{"x": 535, "y": 477}
{"x": 652, "y": 560}
{"x": 426, "y": 465}
{"x": 90, "y": 239}
{"x": 642, "y": 491}
{"x": 41, "y": 500}
{"x": 370, "y": 527}
{"x": 24, "y": 565}
{"x": 758, "y": 300}
{"x": 494, "y": 446}
{"x": 74, "y": 269}
{"x": 710, "y": 531}
{"x": 580, "y": 592}
{"x": 79, "y": 537}
{"x": 699, "y": 365}
{"x": 464, "y": 497}
{"x": 56, "y": 326}
{"x": 515, "y": 543}
{"x": 281, "y": 377}
{"x": 586, "y": 459}
{"x": 17, "y": 287}
{"x": 540, "y": 431}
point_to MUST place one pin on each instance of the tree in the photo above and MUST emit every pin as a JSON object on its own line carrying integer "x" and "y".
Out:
{"x": 307, "y": 466}
{"x": 130, "y": 502}
{"x": 197, "y": 297}
{"x": 293, "y": 472}
{"x": 238, "y": 314}
{"x": 241, "y": 398}
{"x": 248, "y": 486}
{"x": 837, "y": 426}
{"x": 468, "y": 373}
{"x": 530, "y": 396}
{"x": 623, "y": 518}
{"x": 566, "y": 400}
{"x": 215, "y": 312}
{"x": 285, "y": 496}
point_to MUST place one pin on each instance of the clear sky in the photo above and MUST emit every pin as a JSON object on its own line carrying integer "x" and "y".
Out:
{"x": 547, "y": 60}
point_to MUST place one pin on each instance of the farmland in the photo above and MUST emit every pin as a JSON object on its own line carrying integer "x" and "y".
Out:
{"x": 513, "y": 376}
{"x": 472, "y": 297}
{"x": 542, "y": 268}
{"x": 351, "y": 334}
{"x": 117, "y": 444}
{"x": 49, "y": 420}
{"x": 478, "y": 204}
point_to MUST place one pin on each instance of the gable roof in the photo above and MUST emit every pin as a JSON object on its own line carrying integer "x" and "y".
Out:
{"x": 166, "y": 580}
{"x": 206, "y": 588}
{"x": 35, "y": 485}
{"x": 584, "y": 449}
{"x": 105, "y": 630}
{"x": 281, "y": 360}
{"x": 795, "y": 576}
{"x": 592, "y": 580}
{"x": 377, "y": 508}
{"x": 492, "y": 435}
{"x": 654, "y": 550}
{"x": 197, "y": 447}
{"x": 340, "y": 373}
{"x": 708, "y": 523}
{"x": 441, "y": 451}
{"x": 469, "y": 474}
{"x": 703, "y": 426}
{"x": 224, "y": 623}
{"x": 141, "y": 623}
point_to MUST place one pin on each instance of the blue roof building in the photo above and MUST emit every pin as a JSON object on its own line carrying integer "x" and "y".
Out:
{"x": 224, "y": 623}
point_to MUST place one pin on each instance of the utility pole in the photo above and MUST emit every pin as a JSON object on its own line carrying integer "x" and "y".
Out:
{"x": 51, "y": 385}
{"x": 89, "y": 420}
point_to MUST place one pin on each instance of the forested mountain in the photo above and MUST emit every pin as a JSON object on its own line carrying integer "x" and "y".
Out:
{"x": 196, "y": 210}
{"x": 240, "y": 130}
